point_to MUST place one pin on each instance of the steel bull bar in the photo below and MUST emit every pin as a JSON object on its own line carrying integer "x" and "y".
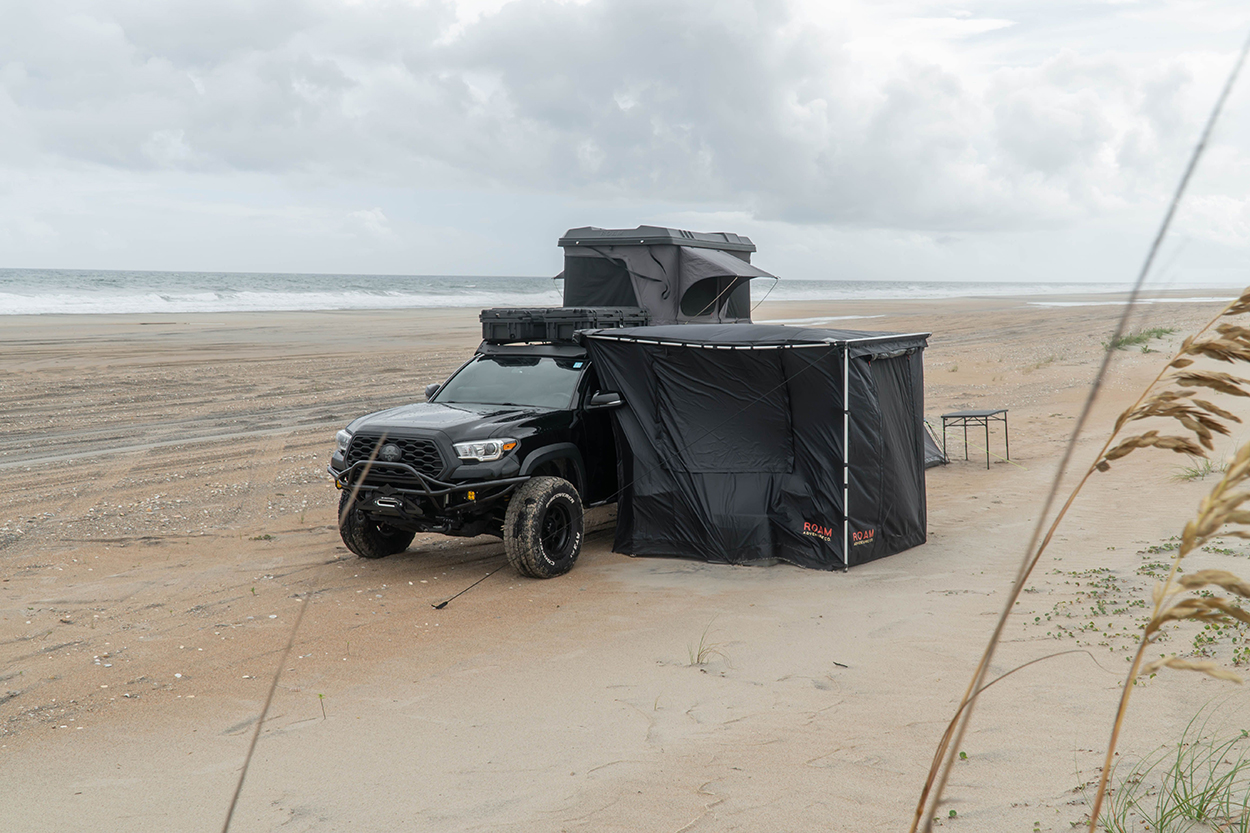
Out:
{"x": 430, "y": 487}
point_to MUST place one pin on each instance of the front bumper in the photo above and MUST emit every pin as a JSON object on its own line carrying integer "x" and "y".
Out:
{"x": 429, "y": 504}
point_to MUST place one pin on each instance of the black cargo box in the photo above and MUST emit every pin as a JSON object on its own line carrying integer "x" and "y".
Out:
{"x": 510, "y": 325}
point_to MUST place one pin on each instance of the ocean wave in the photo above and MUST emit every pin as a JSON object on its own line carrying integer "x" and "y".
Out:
{"x": 809, "y": 290}
{"x": 79, "y": 292}
{"x": 87, "y": 303}
{"x": 1203, "y": 299}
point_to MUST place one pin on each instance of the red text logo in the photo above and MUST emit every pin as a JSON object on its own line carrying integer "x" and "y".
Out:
{"x": 825, "y": 533}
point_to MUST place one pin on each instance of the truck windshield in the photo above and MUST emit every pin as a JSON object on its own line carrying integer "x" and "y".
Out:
{"x": 532, "y": 381}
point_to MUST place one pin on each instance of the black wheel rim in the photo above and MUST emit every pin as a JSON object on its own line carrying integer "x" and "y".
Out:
{"x": 557, "y": 529}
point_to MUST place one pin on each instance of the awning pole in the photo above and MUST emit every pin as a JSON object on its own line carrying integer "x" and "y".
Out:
{"x": 846, "y": 460}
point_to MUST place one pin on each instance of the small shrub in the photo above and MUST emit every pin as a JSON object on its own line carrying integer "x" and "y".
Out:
{"x": 1198, "y": 469}
{"x": 1141, "y": 337}
{"x": 703, "y": 653}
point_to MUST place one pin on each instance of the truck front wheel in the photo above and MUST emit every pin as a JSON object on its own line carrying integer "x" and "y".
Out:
{"x": 366, "y": 537}
{"x": 542, "y": 530}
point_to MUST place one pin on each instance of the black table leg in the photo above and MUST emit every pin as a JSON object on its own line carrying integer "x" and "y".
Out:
{"x": 987, "y": 445}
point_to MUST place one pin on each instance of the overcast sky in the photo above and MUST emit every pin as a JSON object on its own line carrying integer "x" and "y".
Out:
{"x": 995, "y": 140}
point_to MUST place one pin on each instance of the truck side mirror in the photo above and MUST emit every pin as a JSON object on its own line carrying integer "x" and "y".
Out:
{"x": 605, "y": 399}
{"x": 430, "y": 390}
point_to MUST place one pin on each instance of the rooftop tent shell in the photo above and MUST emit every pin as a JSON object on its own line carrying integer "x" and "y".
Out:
{"x": 753, "y": 443}
{"x": 677, "y": 276}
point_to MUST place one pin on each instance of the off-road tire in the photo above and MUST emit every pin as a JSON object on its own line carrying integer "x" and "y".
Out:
{"x": 542, "y": 530}
{"x": 366, "y": 537}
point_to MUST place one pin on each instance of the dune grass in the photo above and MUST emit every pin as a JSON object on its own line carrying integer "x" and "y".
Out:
{"x": 1199, "y": 783}
{"x": 704, "y": 651}
{"x": 1199, "y": 468}
{"x": 1139, "y": 338}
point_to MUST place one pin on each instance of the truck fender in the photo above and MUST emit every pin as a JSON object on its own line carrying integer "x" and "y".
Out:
{"x": 558, "y": 451}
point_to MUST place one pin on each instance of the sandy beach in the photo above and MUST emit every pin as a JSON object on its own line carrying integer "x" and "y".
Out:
{"x": 165, "y": 507}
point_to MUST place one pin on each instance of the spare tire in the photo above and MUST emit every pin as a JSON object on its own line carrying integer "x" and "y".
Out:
{"x": 542, "y": 530}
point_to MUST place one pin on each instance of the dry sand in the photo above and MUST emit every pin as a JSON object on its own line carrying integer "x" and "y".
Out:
{"x": 165, "y": 505}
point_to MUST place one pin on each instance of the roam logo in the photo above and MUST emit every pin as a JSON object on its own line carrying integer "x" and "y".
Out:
{"x": 867, "y": 536}
{"x": 824, "y": 533}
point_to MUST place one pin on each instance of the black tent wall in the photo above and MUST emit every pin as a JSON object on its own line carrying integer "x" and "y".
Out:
{"x": 733, "y": 437}
{"x": 888, "y": 505}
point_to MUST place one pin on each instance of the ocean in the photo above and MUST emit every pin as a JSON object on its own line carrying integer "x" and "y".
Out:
{"x": 75, "y": 291}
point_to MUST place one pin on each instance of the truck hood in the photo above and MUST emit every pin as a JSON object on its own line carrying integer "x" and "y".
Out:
{"x": 461, "y": 420}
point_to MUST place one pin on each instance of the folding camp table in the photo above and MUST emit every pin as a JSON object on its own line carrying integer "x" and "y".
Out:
{"x": 982, "y": 418}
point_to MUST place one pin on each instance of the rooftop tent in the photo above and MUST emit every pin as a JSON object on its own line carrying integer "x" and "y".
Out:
{"x": 733, "y": 440}
{"x": 677, "y": 276}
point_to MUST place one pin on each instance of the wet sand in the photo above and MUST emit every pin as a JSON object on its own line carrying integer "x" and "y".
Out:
{"x": 165, "y": 507}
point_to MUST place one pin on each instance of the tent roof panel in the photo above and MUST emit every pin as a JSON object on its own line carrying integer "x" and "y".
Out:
{"x": 756, "y": 336}
{"x": 655, "y": 236}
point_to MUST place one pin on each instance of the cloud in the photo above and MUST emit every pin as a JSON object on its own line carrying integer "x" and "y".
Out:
{"x": 372, "y": 222}
{"x": 901, "y": 117}
{"x": 1218, "y": 218}
{"x": 168, "y": 149}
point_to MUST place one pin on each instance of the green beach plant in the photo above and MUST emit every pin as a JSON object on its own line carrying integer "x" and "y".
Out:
{"x": 704, "y": 651}
{"x": 1199, "y": 468}
{"x": 1140, "y": 337}
{"x": 1201, "y": 782}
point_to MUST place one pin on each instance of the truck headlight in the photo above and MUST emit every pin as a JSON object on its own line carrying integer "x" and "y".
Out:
{"x": 344, "y": 439}
{"x": 484, "y": 450}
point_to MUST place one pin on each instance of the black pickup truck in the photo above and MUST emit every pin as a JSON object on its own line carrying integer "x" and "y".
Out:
{"x": 520, "y": 437}
{"x": 516, "y": 443}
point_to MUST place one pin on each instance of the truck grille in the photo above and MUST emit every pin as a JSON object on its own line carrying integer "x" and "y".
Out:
{"x": 421, "y": 454}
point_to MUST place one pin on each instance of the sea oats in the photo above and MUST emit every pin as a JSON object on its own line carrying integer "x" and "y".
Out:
{"x": 1239, "y": 307}
{"x": 1219, "y": 578}
{"x": 1218, "y": 411}
{"x": 1214, "y": 379}
{"x": 1202, "y": 666}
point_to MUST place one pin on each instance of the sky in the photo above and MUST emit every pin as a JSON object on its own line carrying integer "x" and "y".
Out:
{"x": 998, "y": 140}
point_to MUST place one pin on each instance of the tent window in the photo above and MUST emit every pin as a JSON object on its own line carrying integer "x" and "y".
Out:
{"x": 718, "y": 296}
{"x": 738, "y": 303}
{"x": 597, "y": 282}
